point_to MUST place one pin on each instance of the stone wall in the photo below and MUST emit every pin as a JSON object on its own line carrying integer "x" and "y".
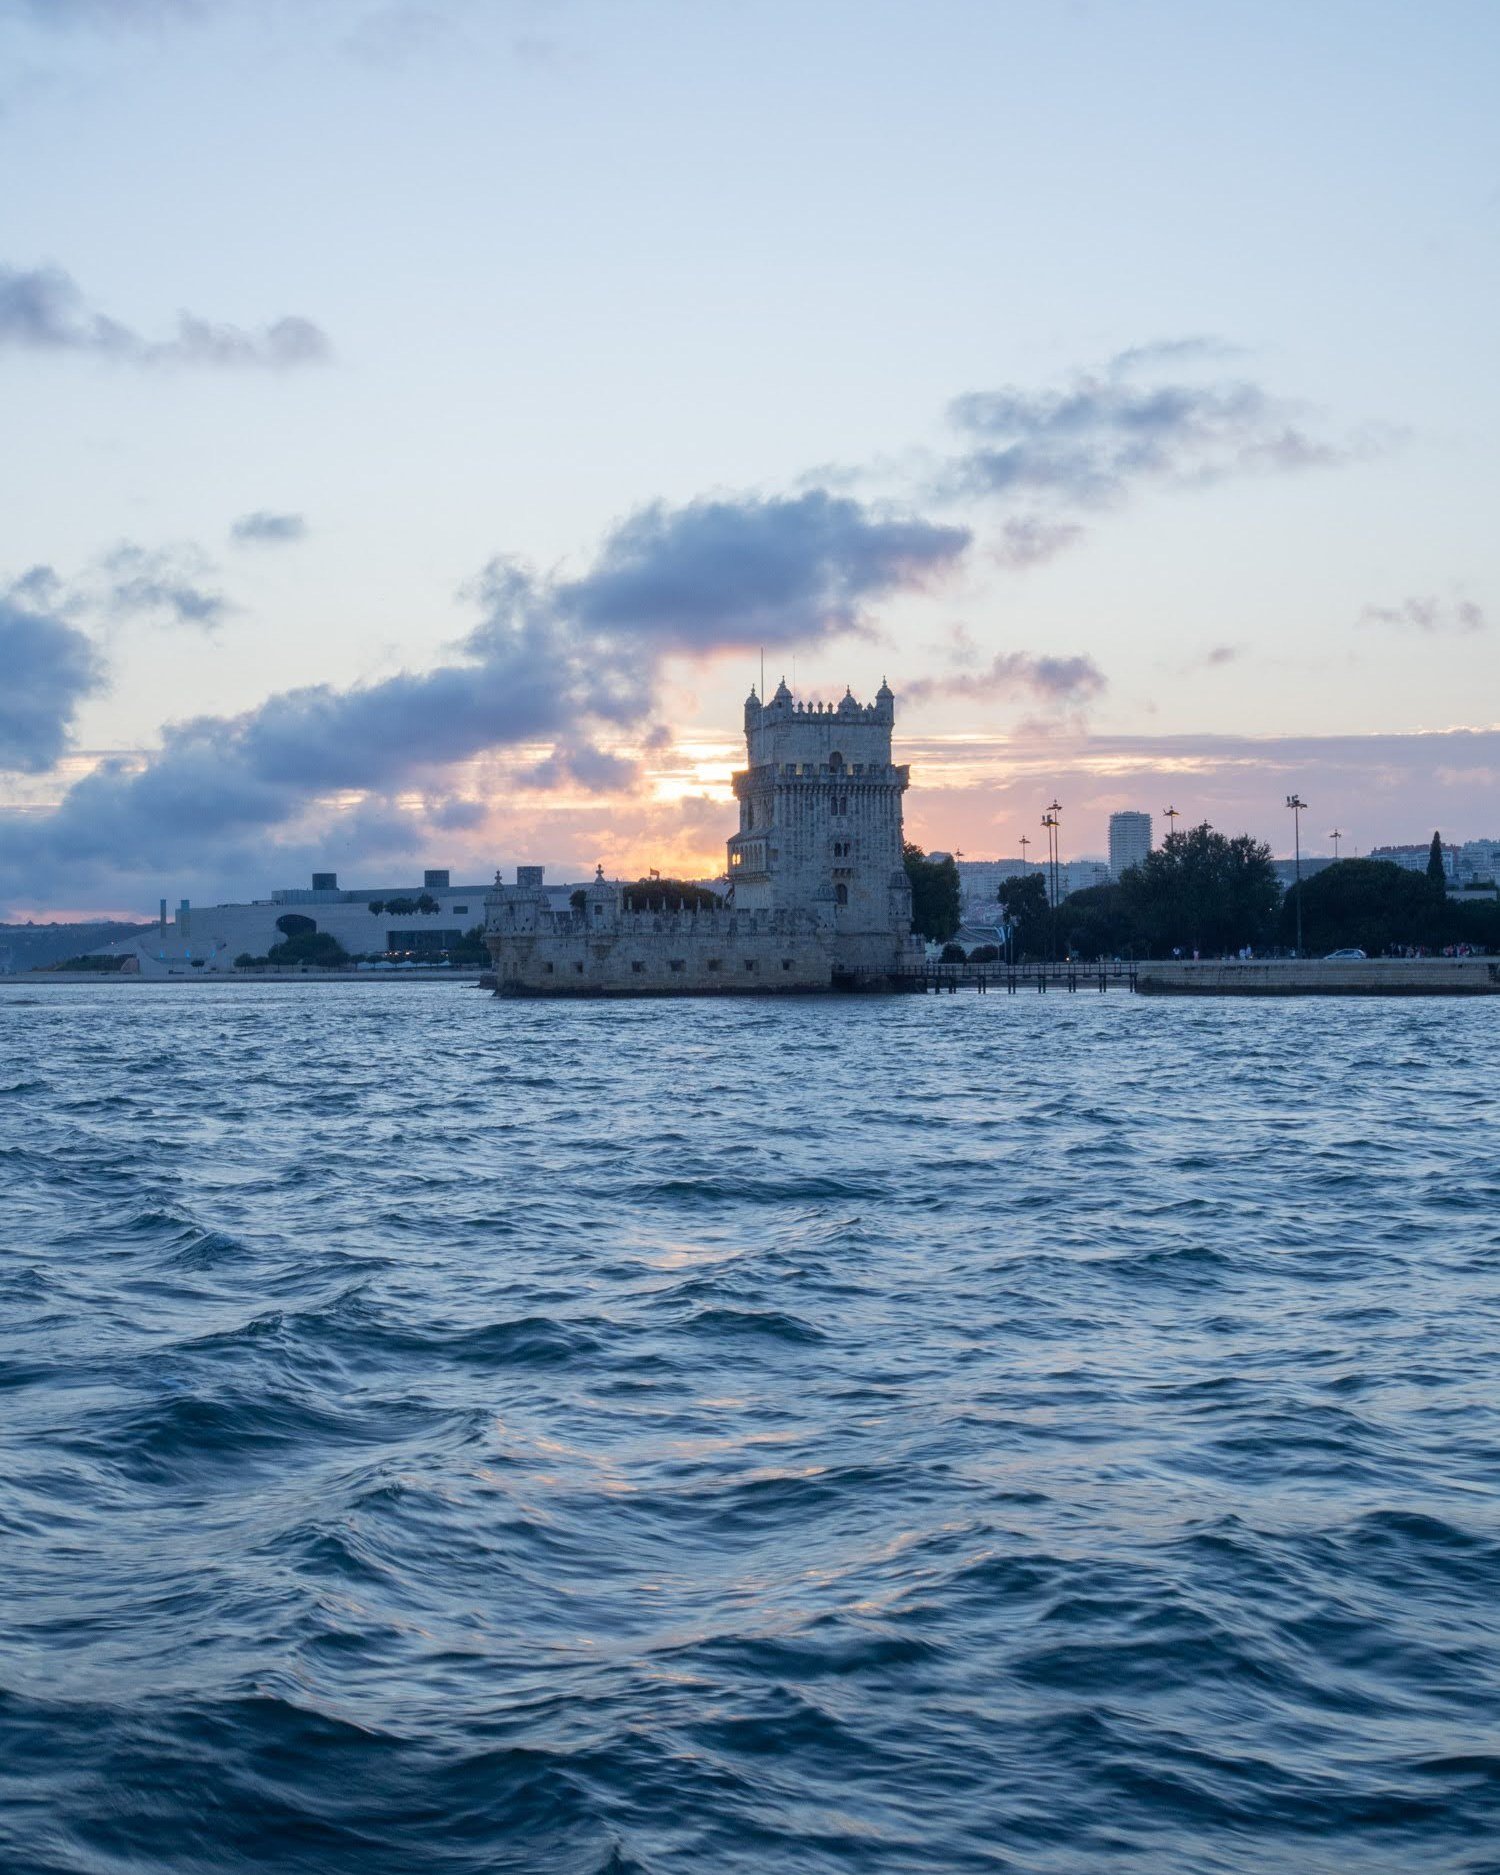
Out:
{"x": 664, "y": 954}
{"x": 1374, "y": 976}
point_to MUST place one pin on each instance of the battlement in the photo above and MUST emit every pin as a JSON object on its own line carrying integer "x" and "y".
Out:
{"x": 843, "y": 773}
{"x": 784, "y": 708}
{"x": 848, "y": 711}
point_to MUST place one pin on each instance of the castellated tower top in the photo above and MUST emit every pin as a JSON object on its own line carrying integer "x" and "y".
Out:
{"x": 786, "y": 730}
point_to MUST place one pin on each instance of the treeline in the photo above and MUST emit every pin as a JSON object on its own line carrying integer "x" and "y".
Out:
{"x": 934, "y": 893}
{"x": 1202, "y": 891}
{"x": 424, "y": 907}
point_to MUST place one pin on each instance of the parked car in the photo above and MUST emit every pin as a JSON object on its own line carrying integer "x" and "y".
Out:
{"x": 1346, "y": 957}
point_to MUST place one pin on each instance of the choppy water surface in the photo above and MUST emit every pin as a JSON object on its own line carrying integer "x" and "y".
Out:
{"x": 1037, "y": 1433}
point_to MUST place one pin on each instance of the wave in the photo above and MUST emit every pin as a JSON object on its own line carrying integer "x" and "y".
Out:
{"x": 866, "y": 1436}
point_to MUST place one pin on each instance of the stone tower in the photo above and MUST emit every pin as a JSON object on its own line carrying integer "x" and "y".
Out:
{"x": 820, "y": 821}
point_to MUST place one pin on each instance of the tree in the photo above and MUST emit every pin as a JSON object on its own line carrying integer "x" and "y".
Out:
{"x": 319, "y": 948}
{"x": 578, "y": 898}
{"x": 1369, "y": 903}
{"x": 1202, "y": 891}
{"x": 953, "y": 954}
{"x": 292, "y": 924}
{"x": 934, "y": 893}
{"x": 377, "y": 906}
{"x": 470, "y": 948}
{"x": 1096, "y": 922}
{"x": 1023, "y": 904}
{"x": 670, "y": 895}
{"x": 1436, "y": 877}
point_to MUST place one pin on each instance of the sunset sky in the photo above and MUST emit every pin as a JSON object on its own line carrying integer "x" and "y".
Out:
{"x": 420, "y": 417}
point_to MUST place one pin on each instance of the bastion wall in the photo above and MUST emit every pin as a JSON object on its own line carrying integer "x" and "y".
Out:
{"x": 706, "y": 953}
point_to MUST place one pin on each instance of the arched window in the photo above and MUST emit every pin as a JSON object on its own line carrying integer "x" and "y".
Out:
{"x": 835, "y": 761}
{"x": 841, "y": 893}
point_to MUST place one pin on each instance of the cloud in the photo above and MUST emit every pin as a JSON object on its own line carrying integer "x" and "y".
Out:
{"x": 566, "y": 669}
{"x": 1215, "y": 657}
{"x": 582, "y": 765}
{"x": 263, "y": 528}
{"x": 720, "y": 573}
{"x": 1028, "y": 540}
{"x": 1072, "y": 679}
{"x": 552, "y": 659}
{"x": 1100, "y": 437}
{"x": 62, "y": 15}
{"x": 48, "y": 668}
{"x": 42, "y": 309}
{"x": 1193, "y": 349}
{"x": 162, "y": 583}
{"x": 391, "y": 35}
{"x": 1436, "y": 617}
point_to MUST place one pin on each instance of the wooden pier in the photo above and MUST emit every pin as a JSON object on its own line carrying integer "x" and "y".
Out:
{"x": 993, "y": 978}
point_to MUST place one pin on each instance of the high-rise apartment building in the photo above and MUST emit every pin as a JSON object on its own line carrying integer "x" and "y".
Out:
{"x": 1129, "y": 841}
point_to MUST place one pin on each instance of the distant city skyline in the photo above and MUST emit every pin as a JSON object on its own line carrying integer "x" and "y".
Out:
{"x": 425, "y": 482}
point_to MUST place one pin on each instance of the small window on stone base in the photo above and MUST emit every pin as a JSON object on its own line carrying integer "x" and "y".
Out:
{"x": 638, "y": 968}
{"x": 749, "y": 963}
{"x": 678, "y": 964}
{"x": 786, "y": 963}
{"x": 578, "y": 970}
{"x": 546, "y": 970}
{"x": 713, "y": 963}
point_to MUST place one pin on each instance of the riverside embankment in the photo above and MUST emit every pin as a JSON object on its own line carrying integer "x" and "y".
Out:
{"x": 1370, "y": 976}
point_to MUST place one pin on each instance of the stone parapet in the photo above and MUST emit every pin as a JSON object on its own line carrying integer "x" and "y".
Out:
{"x": 1373, "y": 976}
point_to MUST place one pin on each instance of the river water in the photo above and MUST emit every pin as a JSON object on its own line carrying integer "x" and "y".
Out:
{"x": 1035, "y": 1433}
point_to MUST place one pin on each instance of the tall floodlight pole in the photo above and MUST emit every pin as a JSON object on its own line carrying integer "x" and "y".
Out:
{"x": 1171, "y": 817}
{"x": 1296, "y": 803}
{"x": 1025, "y": 842}
{"x": 1051, "y": 822}
{"x": 1051, "y": 906}
{"x": 1336, "y": 836}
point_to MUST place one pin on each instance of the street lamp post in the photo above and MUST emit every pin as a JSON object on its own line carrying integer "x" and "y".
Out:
{"x": 1296, "y": 803}
{"x": 1171, "y": 817}
{"x": 1054, "y": 839}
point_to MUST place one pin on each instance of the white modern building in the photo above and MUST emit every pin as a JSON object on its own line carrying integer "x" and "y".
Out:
{"x": 1413, "y": 856}
{"x": 394, "y": 922}
{"x": 1129, "y": 841}
{"x": 1477, "y": 862}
